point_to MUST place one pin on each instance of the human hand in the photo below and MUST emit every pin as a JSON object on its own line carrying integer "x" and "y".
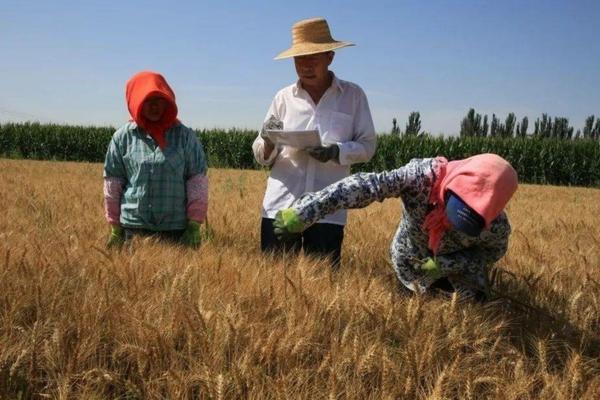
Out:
{"x": 272, "y": 123}
{"x": 325, "y": 153}
{"x": 116, "y": 237}
{"x": 431, "y": 268}
{"x": 287, "y": 224}
{"x": 191, "y": 235}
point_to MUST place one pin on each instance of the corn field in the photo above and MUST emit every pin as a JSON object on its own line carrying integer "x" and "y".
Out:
{"x": 158, "y": 321}
{"x": 543, "y": 161}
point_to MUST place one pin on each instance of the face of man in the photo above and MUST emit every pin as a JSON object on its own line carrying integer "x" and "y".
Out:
{"x": 313, "y": 69}
{"x": 154, "y": 108}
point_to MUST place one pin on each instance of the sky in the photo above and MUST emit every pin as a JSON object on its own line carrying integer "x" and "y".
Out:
{"x": 67, "y": 62}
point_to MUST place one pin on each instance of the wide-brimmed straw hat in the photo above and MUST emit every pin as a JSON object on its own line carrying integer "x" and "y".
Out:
{"x": 311, "y": 36}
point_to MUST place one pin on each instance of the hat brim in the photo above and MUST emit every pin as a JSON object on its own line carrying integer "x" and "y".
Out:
{"x": 305, "y": 49}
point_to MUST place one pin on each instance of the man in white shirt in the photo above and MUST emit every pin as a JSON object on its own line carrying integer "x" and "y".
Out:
{"x": 340, "y": 112}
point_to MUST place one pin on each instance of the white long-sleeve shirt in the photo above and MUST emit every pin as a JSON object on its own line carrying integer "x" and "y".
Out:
{"x": 342, "y": 117}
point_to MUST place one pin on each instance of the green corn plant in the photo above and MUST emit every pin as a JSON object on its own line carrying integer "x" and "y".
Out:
{"x": 548, "y": 161}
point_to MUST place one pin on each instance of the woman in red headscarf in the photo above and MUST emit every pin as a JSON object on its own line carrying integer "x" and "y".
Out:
{"x": 155, "y": 169}
{"x": 453, "y": 226}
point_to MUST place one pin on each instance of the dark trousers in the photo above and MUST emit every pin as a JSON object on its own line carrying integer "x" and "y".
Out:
{"x": 167, "y": 236}
{"x": 323, "y": 240}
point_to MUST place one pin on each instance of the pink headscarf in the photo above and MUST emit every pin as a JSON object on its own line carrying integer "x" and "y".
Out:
{"x": 486, "y": 182}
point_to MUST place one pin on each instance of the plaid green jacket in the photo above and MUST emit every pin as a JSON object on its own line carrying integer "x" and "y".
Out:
{"x": 154, "y": 196}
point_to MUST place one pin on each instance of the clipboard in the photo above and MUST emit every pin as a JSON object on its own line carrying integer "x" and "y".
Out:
{"x": 296, "y": 139}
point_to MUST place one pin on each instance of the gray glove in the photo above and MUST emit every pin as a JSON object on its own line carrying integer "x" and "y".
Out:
{"x": 272, "y": 123}
{"x": 325, "y": 153}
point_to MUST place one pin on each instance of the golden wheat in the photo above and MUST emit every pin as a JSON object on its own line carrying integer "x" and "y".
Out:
{"x": 225, "y": 322}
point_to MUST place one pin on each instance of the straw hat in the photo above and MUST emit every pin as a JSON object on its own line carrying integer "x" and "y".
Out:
{"x": 311, "y": 36}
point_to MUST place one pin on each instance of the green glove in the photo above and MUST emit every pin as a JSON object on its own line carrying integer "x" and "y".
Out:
{"x": 116, "y": 237}
{"x": 191, "y": 235}
{"x": 287, "y": 223}
{"x": 325, "y": 153}
{"x": 431, "y": 267}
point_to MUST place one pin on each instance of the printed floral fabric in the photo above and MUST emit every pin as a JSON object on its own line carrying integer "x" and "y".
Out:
{"x": 463, "y": 259}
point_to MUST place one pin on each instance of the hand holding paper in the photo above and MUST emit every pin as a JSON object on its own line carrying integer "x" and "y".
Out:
{"x": 325, "y": 153}
{"x": 272, "y": 123}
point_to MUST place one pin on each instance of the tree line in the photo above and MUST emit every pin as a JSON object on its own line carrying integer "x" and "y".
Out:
{"x": 476, "y": 125}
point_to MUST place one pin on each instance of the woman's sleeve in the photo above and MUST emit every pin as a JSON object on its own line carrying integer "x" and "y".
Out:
{"x": 195, "y": 158}
{"x": 356, "y": 191}
{"x": 113, "y": 190}
{"x": 115, "y": 179}
{"x": 113, "y": 162}
{"x": 196, "y": 184}
{"x": 197, "y": 197}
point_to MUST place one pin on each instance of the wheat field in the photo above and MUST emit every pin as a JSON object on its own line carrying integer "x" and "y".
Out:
{"x": 158, "y": 321}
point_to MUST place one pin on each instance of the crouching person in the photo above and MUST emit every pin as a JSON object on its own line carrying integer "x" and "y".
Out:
{"x": 453, "y": 227}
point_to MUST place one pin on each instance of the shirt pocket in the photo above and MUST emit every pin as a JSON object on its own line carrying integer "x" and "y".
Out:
{"x": 175, "y": 162}
{"x": 339, "y": 128}
{"x": 133, "y": 164}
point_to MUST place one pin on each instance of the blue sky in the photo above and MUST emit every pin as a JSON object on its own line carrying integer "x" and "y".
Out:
{"x": 68, "y": 61}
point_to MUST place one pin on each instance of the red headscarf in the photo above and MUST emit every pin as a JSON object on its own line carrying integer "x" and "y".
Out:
{"x": 142, "y": 86}
{"x": 486, "y": 182}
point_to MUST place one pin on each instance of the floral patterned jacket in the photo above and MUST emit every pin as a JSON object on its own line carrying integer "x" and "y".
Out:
{"x": 463, "y": 259}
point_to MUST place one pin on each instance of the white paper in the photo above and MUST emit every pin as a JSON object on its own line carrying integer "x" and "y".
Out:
{"x": 297, "y": 139}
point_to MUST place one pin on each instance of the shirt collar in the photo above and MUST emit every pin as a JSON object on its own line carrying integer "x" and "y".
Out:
{"x": 335, "y": 83}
